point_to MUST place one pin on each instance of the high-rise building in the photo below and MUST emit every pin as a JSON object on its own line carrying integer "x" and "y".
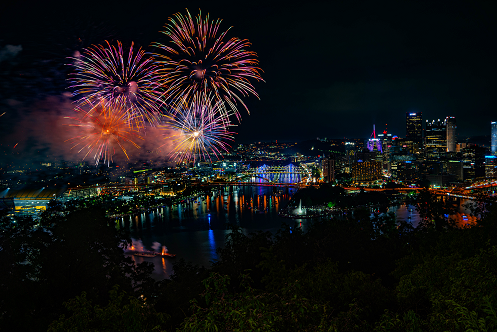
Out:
{"x": 435, "y": 138}
{"x": 414, "y": 126}
{"x": 491, "y": 167}
{"x": 451, "y": 133}
{"x": 414, "y": 132}
{"x": 329, "y": 169}
{"x": 493, "y": 125}
{"x": 366, "y": 171}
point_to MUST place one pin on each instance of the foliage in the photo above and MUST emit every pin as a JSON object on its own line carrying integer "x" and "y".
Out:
{"x": 252, "y": 310}
{"x": 47, "y": 262}
{"x": 122, "y": 313}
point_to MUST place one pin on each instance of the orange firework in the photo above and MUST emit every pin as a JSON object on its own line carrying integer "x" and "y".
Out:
{"x": 103, "y": 128}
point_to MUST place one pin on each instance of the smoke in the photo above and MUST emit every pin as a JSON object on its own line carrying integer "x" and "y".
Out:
{"x": 137, "y": 245}
{"x": 9, "y": 52}
{"x": 44, "y": 131}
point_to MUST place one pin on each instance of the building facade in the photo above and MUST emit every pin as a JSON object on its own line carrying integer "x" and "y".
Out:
{"x": 493, "y": 125}
{"x": 435, "y": 138}
{"x": 451, "y": 133}
{"x": 328, "y": 165}
{"x": 414, "y": 132}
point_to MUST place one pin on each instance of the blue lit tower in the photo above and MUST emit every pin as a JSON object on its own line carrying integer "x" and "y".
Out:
{"x": 493, "y": 125}
{"x": 374, "y": 142}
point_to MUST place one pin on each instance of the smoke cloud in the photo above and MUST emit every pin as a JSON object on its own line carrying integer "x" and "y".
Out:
{"x": 9, "y": 52}
{"x": 44, "y": 130}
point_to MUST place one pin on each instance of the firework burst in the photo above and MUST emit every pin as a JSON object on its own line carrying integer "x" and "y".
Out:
{"x": 200, "y": 130}
{"x": 126, "y": 80}
{"x": 200, "y": 60}
{"x": 103, "y": 129}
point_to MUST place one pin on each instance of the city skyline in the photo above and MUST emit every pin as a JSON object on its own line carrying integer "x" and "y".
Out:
{"x": 330, "y": 70}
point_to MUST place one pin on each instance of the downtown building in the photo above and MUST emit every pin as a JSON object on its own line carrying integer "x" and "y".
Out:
{"x": 436, "y": 139}
{"x": 450, "y": 122}
{"x": 328, "y": 165}
{"x": 366, "y": 172}
{"x": 414, "y": 132}
{"x": 493, "y": 126}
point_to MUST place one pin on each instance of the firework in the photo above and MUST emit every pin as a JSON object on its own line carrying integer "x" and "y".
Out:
{"x": 121, "y": 80}
{"x": 200, "y": 61}
{"x": 200, "y": 130}
{"x": 102, "y": 129}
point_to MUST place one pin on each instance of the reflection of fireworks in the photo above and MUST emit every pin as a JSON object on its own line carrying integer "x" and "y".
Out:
{"x": 106, "y": 72}
{"x": 102, "y": 129}
{"x": 200, "y": 60}
{"x": 200, "y": 129}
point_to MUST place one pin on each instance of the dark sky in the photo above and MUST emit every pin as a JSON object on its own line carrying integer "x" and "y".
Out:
{"x": 332, "y": 68}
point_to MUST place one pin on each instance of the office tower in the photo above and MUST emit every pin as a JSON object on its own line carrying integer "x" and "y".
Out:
{"x": 329, "y": 169}
{"x": 451, "y": 133}
{"x": 374, "y": 143}
{"x": 414, "y": 132}
{"x": 414, "y": 126}
{"x": 366, "y": 171}
{"x": 435, "y": 138}
{"x": 491, "y": 167}
{"x": 493, "y": 125}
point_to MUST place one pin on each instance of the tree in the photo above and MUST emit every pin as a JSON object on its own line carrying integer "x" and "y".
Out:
{"x": 50, "y": 261}
{"x": 122, "y": 313}
{"x": 434, "y": 210}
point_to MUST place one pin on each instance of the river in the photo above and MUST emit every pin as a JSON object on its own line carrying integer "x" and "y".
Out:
{"x": 195, "y": 228}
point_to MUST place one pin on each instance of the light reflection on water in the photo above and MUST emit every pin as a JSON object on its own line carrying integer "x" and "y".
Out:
{"x": 193, "y": 229}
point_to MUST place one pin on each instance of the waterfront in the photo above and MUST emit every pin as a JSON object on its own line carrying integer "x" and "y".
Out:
{"x": 195, "y": 228}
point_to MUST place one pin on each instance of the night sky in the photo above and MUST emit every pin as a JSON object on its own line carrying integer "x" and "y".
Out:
{"x": 332, "y": 68}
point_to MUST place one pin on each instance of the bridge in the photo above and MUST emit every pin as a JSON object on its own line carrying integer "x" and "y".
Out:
{"x": 288, "y": 169}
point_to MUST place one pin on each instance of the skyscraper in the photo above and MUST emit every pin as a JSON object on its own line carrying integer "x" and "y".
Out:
{"x": 493, "y": 125}
{"x": 435, "y": 138}
{"x": 414, "y": 132}
{"x": 414, "y": 126}
{"x": 451, "y": 133}
{"x": 329, "y": 169}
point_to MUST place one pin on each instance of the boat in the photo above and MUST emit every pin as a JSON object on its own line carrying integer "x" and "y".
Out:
{"x": 142, "y": 253}
{"x": 166, "y": 254}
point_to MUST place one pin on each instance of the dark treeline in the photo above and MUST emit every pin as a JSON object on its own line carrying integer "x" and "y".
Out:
{"x": 67, "y": 272}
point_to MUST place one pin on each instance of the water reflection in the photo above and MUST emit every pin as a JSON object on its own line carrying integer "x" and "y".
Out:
{"x": 195, "y": 227}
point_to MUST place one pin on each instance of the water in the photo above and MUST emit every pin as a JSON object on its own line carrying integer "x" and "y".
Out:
{"x": 195, "y": 228}
{"x": 408, "y": 213}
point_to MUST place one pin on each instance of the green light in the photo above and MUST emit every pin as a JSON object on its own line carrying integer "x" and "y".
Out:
{"x": 142, "y": 170}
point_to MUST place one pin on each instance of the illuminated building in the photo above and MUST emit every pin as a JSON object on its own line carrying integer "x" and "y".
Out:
{"x": 374, "y": 143}
{"x": 490, "y": 166}
{"x": 455, "y": 167}
{"x": 414, "y": 131}
{"x": 366, "y": 171}
{"x": 30, "y": 202}
{"x": 435, "y": 138}
{"x": 451, "y": 133}
{"x": 405, "y": 171}
{"x": 386, "y": 140}
{"x": 329, "y": 169}
{"x": 494, "y": 137}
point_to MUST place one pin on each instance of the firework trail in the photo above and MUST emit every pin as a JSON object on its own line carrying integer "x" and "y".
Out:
{"x": 200, "y": 61}
{"x": 127, "y": 80}
{"x": 103, "y": 128}
{"x": 200, "y": 130}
